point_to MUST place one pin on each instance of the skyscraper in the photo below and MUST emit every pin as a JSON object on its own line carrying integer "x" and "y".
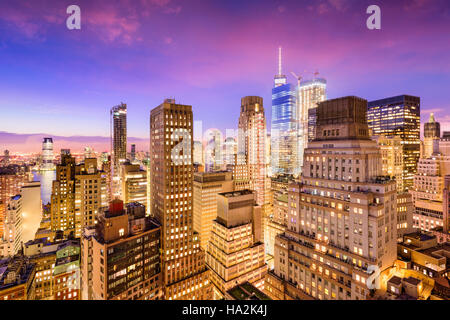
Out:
{"x": 309, "y": 94}
{"x": 230, "y": 151}
{"x": 47, "y": 154}
{"x": 213, "y": 150}
{"x": 134, "y": 183}
{"x": 185, "y": 275}
{"x": 252, "y": 145}
{"x": 284, "y": 125}
{"x": 235, "y": 251}
{"x": 391, "y": 149}
{"x": 432, "y": 134}
{"x": 342, "y": 214}
{"x": 31, "y": 210}
{"x": 5, "y": 160}
{"x": 119, "y": 133}
{"x": 198, "y": 152}
{"x": 90, "y": 194}
{"x": 133, "y": 153}
{"x": 118, "y": 145}
{"x": 120, "y": 258}
{"x": 399, "y": 116}
{"x": 63, "y": 196}
{"x": 12, "y": 240}
{"x": 12, "y": 178}
{"x": 206, "y": 187}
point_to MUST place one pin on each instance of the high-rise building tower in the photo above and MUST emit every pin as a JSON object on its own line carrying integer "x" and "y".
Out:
{"x": 5, "y": 160}
{"x": 185, "y": 275}
{"x": 90, "y": 194}
{"x": 119, "y": 133}
{"x": 342, "y": 214}
{"x": 309, "y": 94}
{"x": 284, "y": 125}
{"x": 206, "y": 187}
{"x": 12, "y": 240}
{"x": 12, "y": 178}
{"x": 399, "y": 116}
{"x": 230, "y": 151}
{"x": 235, "y": 251}
{"x": 63, "y": 196}
{"x": 133, "y": 153}
{"x": 120, "y": 258}
{"x": 213, "y": 150}
{"x": 134, "y": 183}
{"x": 118, "y": 145}
{"x": 31, "y": 210}
{"x": 47, "y": 154}
{"x": 432, "y": 134}
{"x": 391, "y": 149}
{"x": 198, "y": 153}
{"x": 251, "y": 155}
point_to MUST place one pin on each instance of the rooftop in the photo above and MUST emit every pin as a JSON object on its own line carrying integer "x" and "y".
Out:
{"x": 419, "y": 236}
{"x": 395, "y": 280}
{"x": 236, "y": 193}
{"x": 246, "y": 291}
{"x": 15, "y": 271}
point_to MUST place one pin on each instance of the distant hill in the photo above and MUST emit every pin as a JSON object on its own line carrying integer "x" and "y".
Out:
{"x": 16, "y": 142}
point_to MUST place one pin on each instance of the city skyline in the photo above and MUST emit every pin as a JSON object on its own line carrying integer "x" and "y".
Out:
{"x": 211, "y": 64}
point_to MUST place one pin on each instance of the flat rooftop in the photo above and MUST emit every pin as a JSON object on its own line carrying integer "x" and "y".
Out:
{"x": 236, "y": 193}
{"x": 246, "y": 291}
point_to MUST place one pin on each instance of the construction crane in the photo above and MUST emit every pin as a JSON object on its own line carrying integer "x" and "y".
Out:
{"x": 299, "y": 78}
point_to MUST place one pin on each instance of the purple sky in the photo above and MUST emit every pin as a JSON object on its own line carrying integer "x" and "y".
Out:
{"x": 209, "y": 54}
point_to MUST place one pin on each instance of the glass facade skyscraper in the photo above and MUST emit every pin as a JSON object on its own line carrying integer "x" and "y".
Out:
{"x": 284, "y": 125}
{"x": 309, "y": 94}
{"x": 399, "y": 116}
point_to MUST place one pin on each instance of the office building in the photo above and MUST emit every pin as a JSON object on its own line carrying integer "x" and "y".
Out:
{"x": 11, "y": 243}
{"x": 405, "y": 214}
{"x": 31, "y": 209}
{"x": 118, "y": 146}
{"x": 12, "y": 178}
{"x": 47, "y": 155}
{"x": 399, "y": 116}
{"x": 120, "y": 256}
{"x": 235, "y": 253}
{"x": 432, "y": 135}
{"x": 66, "y": 272}
{"x": 63, "y": 195}
{"x": 198, "y": 153}
{"x": 185, "y": 276}
{"x": 252, "y": 146}
{"x": 77, "y": 194}
{"x": 90, "y": 194}
{"x": 134, "y": 183}
{"x": 213, "y": 150}
{"x": 230, "y": 152}
{"x": 207, "y": 185}
{"x": 284, "y": 125}
{"x": 17, "y": 279}
{"x": 342, "y": 215}
{"x": 391, "y": 149}
{"x": 6, "y": 158}
{"x": 309, "y": 94}
{"x": 133, "y": 153}
{"x": 275, "y": 221}
{"x": 119, "y": 133}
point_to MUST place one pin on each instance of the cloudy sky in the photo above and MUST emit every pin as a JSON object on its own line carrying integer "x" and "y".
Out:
{"x": 209, "y": 54}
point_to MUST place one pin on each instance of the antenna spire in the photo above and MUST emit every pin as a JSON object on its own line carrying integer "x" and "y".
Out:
{"x": 279, "y": 61}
